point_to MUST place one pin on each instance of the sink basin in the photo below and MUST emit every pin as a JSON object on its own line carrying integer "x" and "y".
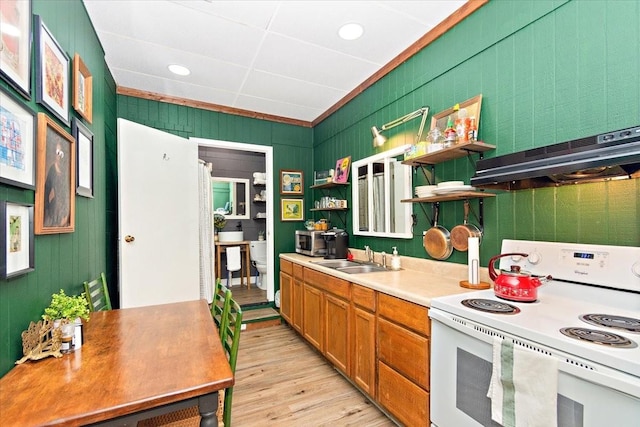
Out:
{"x": 363, "y": 268}
{"x": 230, "y": 236}
{"x": 337, "y": 263}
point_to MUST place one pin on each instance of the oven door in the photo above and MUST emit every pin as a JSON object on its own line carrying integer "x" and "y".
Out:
{"x": 461, "y": 371}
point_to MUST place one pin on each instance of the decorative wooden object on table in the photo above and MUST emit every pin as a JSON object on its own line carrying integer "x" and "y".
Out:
{"x": 136, "y": 363}
{"x": 40, "y": 340}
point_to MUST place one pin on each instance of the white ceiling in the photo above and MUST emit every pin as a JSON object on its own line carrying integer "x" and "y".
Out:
{"x": 282, "y": 58}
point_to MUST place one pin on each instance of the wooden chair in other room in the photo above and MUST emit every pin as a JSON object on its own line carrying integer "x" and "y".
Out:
{"x": 231, "y": 342}
{"x": 97, "y": 294}
{"x": 220, "y": 305}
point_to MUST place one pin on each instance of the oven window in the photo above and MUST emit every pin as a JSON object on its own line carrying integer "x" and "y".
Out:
{"x": 473, "y": 375}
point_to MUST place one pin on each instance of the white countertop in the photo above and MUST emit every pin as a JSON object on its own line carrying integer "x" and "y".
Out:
{"x": 419, "y": 280}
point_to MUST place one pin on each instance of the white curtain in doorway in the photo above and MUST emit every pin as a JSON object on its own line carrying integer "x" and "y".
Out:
{"x": 207, "y": 259}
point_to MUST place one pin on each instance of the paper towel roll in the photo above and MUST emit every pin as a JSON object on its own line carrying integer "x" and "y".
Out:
{"x": 474, "y": 260}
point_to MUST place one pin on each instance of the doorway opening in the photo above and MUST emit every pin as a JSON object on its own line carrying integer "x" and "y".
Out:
{"x": 253, "y": 162}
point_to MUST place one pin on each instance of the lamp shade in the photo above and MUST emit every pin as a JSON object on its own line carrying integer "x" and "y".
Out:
{"x": 378, "y": 138}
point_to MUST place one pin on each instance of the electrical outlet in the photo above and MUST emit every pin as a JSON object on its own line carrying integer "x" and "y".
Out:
{"x": 243, "y": 326}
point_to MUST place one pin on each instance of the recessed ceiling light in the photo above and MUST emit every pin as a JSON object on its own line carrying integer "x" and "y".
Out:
{"x": 179, "y": 70}
{"x": 351, "y": 31}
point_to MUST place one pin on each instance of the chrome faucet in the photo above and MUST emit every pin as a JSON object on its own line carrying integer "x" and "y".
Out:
{"x": 369, "y": 253}
{"x": 383, "y": 254}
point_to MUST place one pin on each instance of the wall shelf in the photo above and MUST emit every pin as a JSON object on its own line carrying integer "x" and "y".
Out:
{"x": 462, "y": 195}
{"x": 454, "y": 152}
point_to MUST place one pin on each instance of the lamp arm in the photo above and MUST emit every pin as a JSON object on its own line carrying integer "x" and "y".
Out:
{"x": 425, "y": 113}
{"x": 406, "y": 118}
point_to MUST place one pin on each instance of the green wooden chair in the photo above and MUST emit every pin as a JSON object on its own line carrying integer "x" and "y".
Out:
{"x": 231, "y": 342}
{"x": 97, "y": 294}
{"x": 220, "y": 305}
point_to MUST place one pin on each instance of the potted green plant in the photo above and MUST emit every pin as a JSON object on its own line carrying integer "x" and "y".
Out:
{"x": 67, "y": 308}
{"x": 219, "y": 221}
{"x": 67, "y": 313}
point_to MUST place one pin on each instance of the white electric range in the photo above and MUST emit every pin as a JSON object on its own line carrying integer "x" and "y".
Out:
{"x": 598, "y": 383}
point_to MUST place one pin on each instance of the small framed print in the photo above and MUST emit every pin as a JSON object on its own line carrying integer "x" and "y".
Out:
{"x": 52, "y": 73}
{"x": 15, "y": 44}
{"x": 16, "y": 257}
{"x": 17, "y": 142}
{"x": 84, "y": 158}
{"x": 55, "y": 180}
{"x": 82, "y": 89}
{"x": 342, "y": 170}
{"x": 292, "y": 209}
{"x": 291, "y": 182}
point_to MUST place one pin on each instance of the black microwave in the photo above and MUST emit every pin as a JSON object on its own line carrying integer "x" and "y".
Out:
{"x": 310, "y": 242}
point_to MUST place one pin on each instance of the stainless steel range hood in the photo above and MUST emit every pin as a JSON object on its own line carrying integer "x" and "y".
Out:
{"x": 612, "y": 155}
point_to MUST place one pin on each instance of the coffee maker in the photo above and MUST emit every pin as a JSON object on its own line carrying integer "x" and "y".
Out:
{"x": 337, "y": 243}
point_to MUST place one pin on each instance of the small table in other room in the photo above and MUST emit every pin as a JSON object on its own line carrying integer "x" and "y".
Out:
{"x": 246, "y": 263}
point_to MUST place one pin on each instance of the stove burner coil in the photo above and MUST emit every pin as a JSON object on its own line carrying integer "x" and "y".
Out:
{"x": 598, "y": 337}
{"x": 490, "y": 306}
{"x": 628, "y": 324}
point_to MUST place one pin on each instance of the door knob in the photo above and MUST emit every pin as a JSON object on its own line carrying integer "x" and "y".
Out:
{"x": 129, "y": 238}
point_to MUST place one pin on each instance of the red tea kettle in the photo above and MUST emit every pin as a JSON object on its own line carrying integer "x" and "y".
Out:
{"x": 515, "y": 285}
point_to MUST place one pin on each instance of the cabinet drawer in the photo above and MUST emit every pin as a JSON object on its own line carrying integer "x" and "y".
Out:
{"x": 363, "y": 297}
{"x": 297, "y": 271}
{"x": 405, "y": 351}
{"x": 411, "y": 315}
{"x": 334, "y": 285}
{"x": 405, "y": 400}
{"x": 286, "y": 266}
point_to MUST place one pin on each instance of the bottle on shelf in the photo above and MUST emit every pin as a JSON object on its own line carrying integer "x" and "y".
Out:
{"x": 472, "y": 133}
{"x": 450, "y": 134}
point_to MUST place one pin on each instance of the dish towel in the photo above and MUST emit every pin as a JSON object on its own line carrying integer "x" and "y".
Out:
{"x": 524, "y": 386}
{"x": 233, "y": 258}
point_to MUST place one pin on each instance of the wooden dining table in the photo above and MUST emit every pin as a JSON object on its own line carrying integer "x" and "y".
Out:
{"x": 134, "y": 364}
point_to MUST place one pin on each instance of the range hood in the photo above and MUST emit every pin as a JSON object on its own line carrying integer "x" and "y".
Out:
{"x": 612, "y": 155}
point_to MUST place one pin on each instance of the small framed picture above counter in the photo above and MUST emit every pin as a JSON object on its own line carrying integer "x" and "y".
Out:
{"x": 291, "y": 182}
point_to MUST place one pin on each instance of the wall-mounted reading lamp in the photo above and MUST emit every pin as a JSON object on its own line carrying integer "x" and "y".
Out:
{"x": 379, "y": 139}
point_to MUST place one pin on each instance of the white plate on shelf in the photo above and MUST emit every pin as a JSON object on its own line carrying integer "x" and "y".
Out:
{"x": 449, "y": 190}
{"x": 448, "y": 184}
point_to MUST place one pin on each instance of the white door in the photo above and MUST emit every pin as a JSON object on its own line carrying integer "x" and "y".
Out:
{"x": 158, "y": 216}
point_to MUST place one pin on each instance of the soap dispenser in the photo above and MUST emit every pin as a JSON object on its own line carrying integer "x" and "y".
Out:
{"x": 395, "y": 259}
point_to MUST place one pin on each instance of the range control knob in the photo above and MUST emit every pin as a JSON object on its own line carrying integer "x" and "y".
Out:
{"x": 534, "y": 258}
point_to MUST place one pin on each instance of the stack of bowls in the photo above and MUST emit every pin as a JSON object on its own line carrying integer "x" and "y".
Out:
{"x": 423, "y": 191}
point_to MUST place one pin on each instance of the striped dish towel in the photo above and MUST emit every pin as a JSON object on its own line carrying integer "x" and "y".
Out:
{"x": 524, "y": 386}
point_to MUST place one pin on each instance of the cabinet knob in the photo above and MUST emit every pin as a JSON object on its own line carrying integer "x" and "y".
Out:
{"x": 129, "y": 238}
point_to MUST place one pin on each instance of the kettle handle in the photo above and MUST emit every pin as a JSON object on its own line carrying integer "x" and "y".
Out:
{"x": 492, "y": 272}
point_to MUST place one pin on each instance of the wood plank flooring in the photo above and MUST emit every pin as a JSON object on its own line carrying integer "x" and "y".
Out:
{"x": 282, "y": 381}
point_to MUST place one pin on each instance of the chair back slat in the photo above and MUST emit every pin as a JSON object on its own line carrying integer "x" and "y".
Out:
{"x": 231, "y": 343}
{"x": 97, "y": 294}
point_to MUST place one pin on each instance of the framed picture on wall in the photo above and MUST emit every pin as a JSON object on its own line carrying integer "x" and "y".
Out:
{"x": 56, "y": 179}
{"x": 16, "y": 256}
{"x": 17, "y": 142}
{"x": 84, "y": 158}
{"x": 52, "y": 72}
{"x": 82, "y": 89}
{"x": 15, "y": 51}
{"x": 292, "y": 209}
{"x": 291, "y": 182}
{"x": 342, "y": 170}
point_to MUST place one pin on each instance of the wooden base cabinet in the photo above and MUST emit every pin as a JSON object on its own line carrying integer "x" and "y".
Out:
{"x": 363, "y": 337}
{"x": 297, "y": 301}
{"x": 286, "y": 287}
{"x": 313, "y": 316}
{"x": 403, "y": 359}
{"x": 337, "y": 332}
{"x": 402, "y": 398}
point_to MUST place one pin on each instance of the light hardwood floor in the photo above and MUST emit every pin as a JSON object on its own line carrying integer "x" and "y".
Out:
{"x": 281, "y": 381}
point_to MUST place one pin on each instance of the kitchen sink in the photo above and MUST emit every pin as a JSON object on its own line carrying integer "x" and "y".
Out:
{"x": 363, "y": 268}
{"x": 337, "y": 263}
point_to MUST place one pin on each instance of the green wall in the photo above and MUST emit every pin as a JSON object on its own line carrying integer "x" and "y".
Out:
{"x": 63, "y": 260}
{"x": 548, "y": 71}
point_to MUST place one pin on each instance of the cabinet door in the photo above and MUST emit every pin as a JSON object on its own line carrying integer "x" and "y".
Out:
{"x": 313, "y": 313}
{"x": 285, "y": 297}
{"x": 297, "y": 304}
{"x": 402, "y": 398}
{"x": 336, "y": 318}
{"x": 364, "y": 350}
